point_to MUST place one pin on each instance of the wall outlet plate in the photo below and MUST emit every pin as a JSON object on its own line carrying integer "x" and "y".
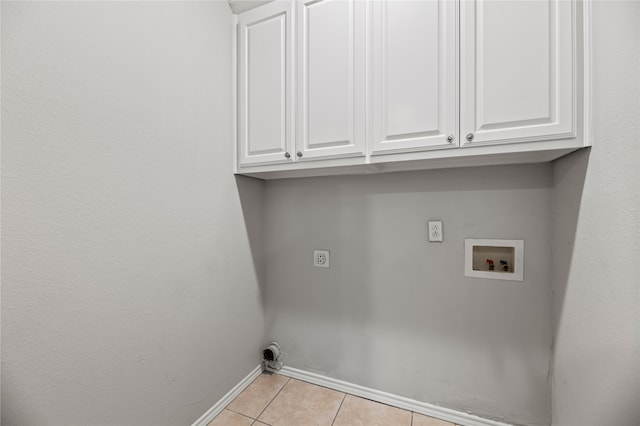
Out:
{"x": 321, "y": 258}
{"x": 435, "y": 231}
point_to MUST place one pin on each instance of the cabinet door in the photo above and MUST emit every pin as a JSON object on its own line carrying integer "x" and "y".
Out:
{"x": 414, "y": 75}
{"x": 517, "y": 70}
{"x": 331, "y": 78}
{"x": 265, "y": 84}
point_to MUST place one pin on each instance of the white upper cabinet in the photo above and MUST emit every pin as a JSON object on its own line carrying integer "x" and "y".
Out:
{"x": 265, "y": 85}
{"x": 366, "y": 86}
{"x": 414, "y": 75}
{"x": 517, "y": 68}
{"x": 331, "y": 103}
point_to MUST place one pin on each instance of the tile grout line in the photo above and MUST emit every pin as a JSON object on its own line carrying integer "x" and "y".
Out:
{"x": 344, "y": 396}
{"x": 274, "y": 397}
{"x": 237, "y": 412}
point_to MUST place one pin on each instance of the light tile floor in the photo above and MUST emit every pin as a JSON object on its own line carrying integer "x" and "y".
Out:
{"x": 275, "y": 400}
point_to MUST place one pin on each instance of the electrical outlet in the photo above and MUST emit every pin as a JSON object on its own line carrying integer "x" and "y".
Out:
{"x": 321, "y": 258}
{"x": 435, "y": 230}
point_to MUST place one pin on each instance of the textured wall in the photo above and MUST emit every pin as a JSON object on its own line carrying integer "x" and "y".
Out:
{"x": 129, "y": 293}
{"x": 596, "y": 243}
{"x": 395, "y": 312}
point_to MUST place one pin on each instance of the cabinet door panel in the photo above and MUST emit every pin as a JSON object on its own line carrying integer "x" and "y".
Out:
{"x": 265, "y": 91}
{"x": 414, "y": 75}
{"x": 518, "y": 70}
{"x": 331, "y": 79}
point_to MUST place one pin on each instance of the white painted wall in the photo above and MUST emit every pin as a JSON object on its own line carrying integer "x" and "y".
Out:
{"x": 596, "y": 242}
{"x": 395, "y": 312}
{"x": 129, "y": 293}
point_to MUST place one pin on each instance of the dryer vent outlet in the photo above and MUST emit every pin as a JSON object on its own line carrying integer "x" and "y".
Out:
{"x": 272, "y": 357}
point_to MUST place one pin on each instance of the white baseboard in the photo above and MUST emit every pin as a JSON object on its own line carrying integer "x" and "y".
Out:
{"x": 453, "y": 416}
{"x": 225, "y": 400}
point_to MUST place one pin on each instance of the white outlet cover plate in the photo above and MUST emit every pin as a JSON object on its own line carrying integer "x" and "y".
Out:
{"x": 321, "y": 258}
{"x": 435, "y": 231}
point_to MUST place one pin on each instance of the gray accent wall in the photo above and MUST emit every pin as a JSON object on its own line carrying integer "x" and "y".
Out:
{"x": 395, "y": 312}
{"x": 129, "y": 290}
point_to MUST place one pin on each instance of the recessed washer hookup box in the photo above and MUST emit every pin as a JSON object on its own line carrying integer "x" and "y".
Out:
{"x": 494, "y": 259}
